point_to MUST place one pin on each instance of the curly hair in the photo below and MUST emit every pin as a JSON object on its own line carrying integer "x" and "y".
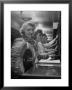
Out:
{"x": 24, "y": 25}
{"x": 39, "y": 31}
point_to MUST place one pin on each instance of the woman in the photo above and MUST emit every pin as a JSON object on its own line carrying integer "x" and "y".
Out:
{"x": 20, "y": 47}
{"x": 45, "y": 49}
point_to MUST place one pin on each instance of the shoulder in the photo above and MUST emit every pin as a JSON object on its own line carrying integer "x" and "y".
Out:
{"x": 19, "y": 39}
{"x": 18, "y": 42}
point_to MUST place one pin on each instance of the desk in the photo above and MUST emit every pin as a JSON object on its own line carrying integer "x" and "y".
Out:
{"x": 45, "y": 70}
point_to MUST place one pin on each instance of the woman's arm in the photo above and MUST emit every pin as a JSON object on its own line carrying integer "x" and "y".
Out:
{"x": 50, "y": 49}
{"x": 51, "y": 43}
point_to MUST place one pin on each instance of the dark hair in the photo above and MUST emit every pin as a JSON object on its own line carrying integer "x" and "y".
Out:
{"x": 44, "y": 35}
{"x": 39, "y": 31}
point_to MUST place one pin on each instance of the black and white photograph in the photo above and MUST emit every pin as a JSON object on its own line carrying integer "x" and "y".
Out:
{"x": 35, "y": 44}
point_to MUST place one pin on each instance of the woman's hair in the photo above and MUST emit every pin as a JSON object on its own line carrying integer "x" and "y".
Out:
{"x": 44, "y": 35}
{"x": 39, "y": 31}
{"x": 24, "y": 25}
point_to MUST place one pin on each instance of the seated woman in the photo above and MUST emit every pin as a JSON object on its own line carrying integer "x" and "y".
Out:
{"x": 44, "y": 49}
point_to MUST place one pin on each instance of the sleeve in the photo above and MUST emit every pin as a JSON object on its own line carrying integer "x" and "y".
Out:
{"x": 51, "y": 43}
{"x": 16, "y": 56}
